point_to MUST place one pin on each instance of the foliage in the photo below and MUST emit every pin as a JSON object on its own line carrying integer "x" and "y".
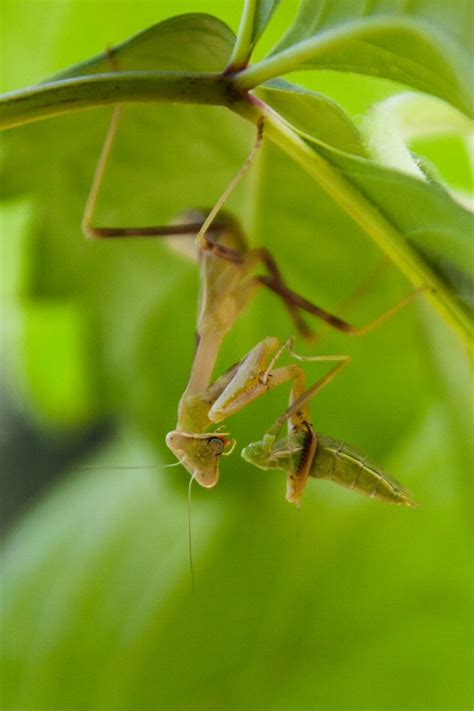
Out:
{"x": 292, "y": 609}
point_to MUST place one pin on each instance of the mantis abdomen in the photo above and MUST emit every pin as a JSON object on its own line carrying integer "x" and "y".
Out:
{"x": 342, "y": 464}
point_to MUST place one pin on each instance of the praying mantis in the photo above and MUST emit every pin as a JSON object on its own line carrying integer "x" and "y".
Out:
{"x": 228, "y": 282}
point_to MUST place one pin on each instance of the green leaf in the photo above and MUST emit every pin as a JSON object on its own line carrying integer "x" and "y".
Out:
{"x": 393, "y": 125}
{"x": 438, "y": 227}
{"x": 208, "y": 43}
{"x": 291, "y": 608}
{"x": 153, "y": 140}
{"x": 216, "y": 89}
{"x": 424, "y": 45}
{"x": 98, "y": 610}
{"x": 373, "y": 196}
{"x": 50, "y": 329}
{"x": 263, "y": 12}
{"x": 313, "y": 114}
{"x": 255, "y": 17}
{"x": 194, "y": 41}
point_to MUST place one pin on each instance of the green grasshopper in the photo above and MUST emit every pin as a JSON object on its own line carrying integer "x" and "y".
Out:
{"x": 304, "y": 453}
{"x": 228, "y": 282}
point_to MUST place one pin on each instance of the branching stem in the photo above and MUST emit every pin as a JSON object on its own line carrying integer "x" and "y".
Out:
{"x": 243, "y": 42}
{"x": 70, "y": 95}
{"x": 305, "y": 51}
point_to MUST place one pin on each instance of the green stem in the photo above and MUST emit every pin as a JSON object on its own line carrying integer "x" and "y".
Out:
{"x": 243, "y": 43}
{"x": 363, "y": 212}
{"x": 292, "y": 58}
{"x": 86, "y": 92}
{"x": 65, "y": 96}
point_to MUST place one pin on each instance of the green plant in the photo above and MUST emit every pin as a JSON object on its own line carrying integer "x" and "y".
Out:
{"x": 290, "y": 611}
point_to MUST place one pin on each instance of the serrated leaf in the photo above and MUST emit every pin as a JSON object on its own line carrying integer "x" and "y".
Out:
{"x": 426, "y": 44}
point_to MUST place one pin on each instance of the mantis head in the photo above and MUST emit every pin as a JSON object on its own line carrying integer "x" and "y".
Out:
{"x": 199, "y": 454}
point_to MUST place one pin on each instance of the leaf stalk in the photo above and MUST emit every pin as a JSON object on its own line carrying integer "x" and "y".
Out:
{"x": 243, "y": 42}
{"x": 294, "y": 57}
{"x": 68, "y": 95}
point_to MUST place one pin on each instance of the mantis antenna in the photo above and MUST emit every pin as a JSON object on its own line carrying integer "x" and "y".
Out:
{"x": 190, "y": 540}
{"x": 129, "y": 467}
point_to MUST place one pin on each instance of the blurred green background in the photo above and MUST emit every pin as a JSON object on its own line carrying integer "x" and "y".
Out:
{"x": 346, "y": 604}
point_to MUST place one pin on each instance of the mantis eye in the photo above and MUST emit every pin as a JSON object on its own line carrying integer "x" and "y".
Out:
{"x": 216, "y": 444}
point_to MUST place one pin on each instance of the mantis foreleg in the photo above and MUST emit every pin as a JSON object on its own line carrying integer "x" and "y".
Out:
{"x": 297, "y": 417}
{"x": 254, "y": 375}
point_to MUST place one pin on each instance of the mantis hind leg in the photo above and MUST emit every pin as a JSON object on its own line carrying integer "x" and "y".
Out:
{"x": 335, "y": 321}
{"x": 206, "y": 230}
{"x": 92, "y": 231}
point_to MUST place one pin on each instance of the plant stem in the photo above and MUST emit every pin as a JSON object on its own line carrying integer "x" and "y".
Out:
{"x": 69, "y": 95}
{"x": 363, "y": 212}
{"x": 243, "y": 43}
{"x": 295, "y": 56}
{"x": 65, "y": 96}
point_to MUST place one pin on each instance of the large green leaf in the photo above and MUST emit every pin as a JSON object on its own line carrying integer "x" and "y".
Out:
{"x": 159, "y": 190}
{"x": 421, "y": 268}
{"x": 313, "y": 114}
{"x": 424, "y": 44}
{"x": 423, "y": 213}
{"x": 439, "y": 228}
{"x": 196, "y": 41}
{"x": 398, "y": 127}
{"x": 67, "y": 398}
{"x": 291, "y": 608}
